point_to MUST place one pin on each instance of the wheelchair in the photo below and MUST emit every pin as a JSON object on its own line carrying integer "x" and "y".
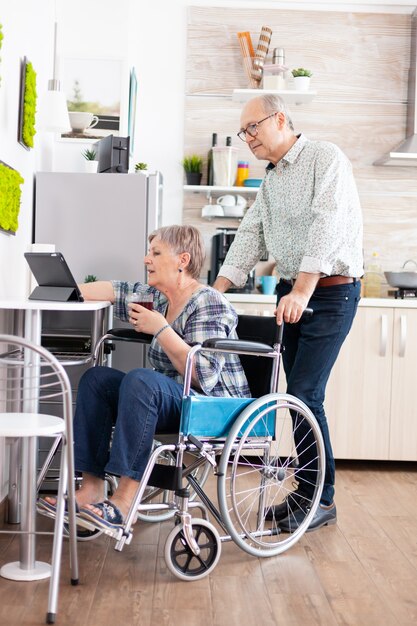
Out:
{"x": 254, "y": 447}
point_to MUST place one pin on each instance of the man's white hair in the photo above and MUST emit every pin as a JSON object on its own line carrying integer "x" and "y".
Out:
{"x": 272, "y": 104}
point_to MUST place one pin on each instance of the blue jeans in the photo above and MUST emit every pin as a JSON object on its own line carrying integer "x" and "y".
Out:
{"x": 310, "y": 350}
{"x": 136, "y": 404}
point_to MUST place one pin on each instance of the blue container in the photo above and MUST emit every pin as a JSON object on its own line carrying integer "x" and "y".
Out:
{"x": 252, "y": 182}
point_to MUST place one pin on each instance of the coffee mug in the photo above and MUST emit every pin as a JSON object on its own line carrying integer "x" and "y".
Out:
{"x": 268, "y": 284}
{"x": 82, "y": 120}
{"x": 227, "y": 200}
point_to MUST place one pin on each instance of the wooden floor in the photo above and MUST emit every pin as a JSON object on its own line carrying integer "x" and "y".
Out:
{"x": 362, "y": 571}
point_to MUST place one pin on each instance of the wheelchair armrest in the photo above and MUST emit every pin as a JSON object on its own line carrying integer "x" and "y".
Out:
{"x": 128, "y": 334}
{"x": 220, "y": 343}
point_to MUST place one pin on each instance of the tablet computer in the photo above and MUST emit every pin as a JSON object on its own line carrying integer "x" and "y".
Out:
{"x": 55, "y": 281}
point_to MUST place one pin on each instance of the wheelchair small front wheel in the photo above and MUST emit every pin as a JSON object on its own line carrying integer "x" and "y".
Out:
{"x": 182, "y": 561}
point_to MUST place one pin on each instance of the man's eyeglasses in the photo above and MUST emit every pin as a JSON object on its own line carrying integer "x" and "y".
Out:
{"x": 252, "y": 129}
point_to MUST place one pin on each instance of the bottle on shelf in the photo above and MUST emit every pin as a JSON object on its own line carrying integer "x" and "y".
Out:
{"x": 210, "y": 174}
{"x": 242, "y": 173}
{"x": 373, "y": 277}
{"x": 274, "y": 74}
{"x": 224, "y": 164}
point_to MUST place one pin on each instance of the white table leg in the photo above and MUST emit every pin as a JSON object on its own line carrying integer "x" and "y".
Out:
{"x": 27, "y": 568}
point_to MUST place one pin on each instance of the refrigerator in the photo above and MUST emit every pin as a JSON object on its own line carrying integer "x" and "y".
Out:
{"x": 100, "y": 223}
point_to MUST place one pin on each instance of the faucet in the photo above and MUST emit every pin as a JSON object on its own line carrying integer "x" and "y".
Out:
{"x": 410, "y": 261}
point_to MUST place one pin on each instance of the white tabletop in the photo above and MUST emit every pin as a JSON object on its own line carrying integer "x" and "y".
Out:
{"x": 43, "y": 305}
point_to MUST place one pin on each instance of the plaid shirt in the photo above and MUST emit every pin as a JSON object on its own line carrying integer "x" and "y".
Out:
{"x": 207, "y": 314}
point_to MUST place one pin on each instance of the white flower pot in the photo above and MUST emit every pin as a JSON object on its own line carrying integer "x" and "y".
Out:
{"x": 302, "y": 83}
{"x": 91, "y": 167}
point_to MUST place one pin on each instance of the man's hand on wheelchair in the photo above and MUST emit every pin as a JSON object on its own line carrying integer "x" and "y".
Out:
{"x": 145, "y": 321}
{"x": 290, "y": 308}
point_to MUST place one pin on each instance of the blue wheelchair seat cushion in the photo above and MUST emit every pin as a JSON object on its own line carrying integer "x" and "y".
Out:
{"x": 213, "y": 416}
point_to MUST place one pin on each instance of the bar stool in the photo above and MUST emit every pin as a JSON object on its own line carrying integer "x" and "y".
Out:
{"x": 31, "y": 376}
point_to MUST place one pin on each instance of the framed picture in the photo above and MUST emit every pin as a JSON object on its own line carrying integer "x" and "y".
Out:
{"x": 133, "y": 92}
{"x": 27, "y": 105}
{"x": 94, "y": 86}
{"x": 10, "y": 193}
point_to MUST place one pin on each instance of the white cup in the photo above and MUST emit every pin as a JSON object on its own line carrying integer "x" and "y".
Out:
{"x": 82, "y": 120}
{"x": 227, "y": 200}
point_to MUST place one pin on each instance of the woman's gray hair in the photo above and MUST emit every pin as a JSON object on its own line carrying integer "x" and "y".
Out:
{"x": 184, "y": 239}
{"x": 272, "y": 104}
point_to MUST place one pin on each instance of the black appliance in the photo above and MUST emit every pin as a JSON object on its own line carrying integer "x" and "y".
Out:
{"x": 113, "y": 154}
{"x": 220, "y": 245}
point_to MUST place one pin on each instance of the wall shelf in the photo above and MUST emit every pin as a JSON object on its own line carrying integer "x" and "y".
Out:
{"x": 209, "y": 189}
{"x": 290, "y": 96}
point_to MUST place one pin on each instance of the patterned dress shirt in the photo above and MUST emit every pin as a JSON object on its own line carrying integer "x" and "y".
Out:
{"x": 206, "y": 315}
{"x": 306, "y": 214}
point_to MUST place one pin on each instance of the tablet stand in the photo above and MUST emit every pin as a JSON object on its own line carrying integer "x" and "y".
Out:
{"x": 54, "y": 294}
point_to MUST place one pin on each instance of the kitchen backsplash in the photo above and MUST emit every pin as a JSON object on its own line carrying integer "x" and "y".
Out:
{"x": 360, "y": 69}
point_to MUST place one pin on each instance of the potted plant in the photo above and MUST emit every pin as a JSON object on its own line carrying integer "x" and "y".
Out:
{"x": 141, "y": 168}
{"x": 91, "y": 163}
{"x": 301, "y": 78}
{"x": 192, "y": 167}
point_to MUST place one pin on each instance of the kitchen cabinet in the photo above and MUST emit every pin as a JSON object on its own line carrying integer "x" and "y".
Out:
{"x": 369, "y": 402}
{"x": 370, "y": 394}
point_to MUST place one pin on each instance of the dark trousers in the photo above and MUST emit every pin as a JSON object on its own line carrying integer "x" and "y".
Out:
{"x": 311, "y": 348}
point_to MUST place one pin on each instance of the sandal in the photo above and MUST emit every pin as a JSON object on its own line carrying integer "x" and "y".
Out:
{"x": 111, "y": 517}
{"x": 44, "y": 505}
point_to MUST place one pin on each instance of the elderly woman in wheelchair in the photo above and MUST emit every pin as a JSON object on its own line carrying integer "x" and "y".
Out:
{"x": 129, "y": 408}
{"x": 217, "y": 389}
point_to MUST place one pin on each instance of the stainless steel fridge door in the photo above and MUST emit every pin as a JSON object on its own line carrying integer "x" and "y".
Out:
{"x": 100, "y": 223}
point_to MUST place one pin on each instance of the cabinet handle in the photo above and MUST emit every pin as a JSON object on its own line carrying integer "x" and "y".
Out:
{"x": 403, "y": 334}
{"x": 384, "y": 336}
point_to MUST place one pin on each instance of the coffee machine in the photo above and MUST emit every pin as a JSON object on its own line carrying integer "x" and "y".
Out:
{"x": 220, "y": 245}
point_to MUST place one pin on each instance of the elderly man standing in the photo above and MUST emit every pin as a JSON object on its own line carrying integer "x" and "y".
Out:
{"x": 307, "y": 215}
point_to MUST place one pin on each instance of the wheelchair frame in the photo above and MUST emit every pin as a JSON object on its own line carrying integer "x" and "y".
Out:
{"x": 193, "y": 547}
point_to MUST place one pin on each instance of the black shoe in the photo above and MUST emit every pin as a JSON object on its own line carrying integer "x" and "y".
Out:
{"x": 294, "y": 501}
{"x": 324, "y": 516}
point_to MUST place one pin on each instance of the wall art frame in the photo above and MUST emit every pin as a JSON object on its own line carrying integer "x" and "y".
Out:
{"x": 10, "y": 194}
{"x": 95, "y": 85}
{"x": 133, "y": 95}
{"x": 27, "y": 105}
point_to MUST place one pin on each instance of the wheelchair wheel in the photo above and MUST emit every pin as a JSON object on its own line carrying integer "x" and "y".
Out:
{"x": 259, "y": 466}
{"x": 156, "y": 495}
{"x": 182, "y": 561}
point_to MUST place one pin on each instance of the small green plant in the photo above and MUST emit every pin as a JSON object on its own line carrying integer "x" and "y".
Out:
{"x": 90, "y": 278}
{"x": 193, "y": 163}
{"x": 139, "y": 167}
{"x": 90, "y": 155}
{"x": 301, "y": 72}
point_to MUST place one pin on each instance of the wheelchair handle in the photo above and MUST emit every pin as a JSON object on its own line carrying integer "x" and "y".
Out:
{"x": 308, "y": 312}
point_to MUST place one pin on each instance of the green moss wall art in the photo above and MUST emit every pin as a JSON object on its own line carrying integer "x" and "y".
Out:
{"x": 10, "y": 181}
{"x": 27, "y": 109}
